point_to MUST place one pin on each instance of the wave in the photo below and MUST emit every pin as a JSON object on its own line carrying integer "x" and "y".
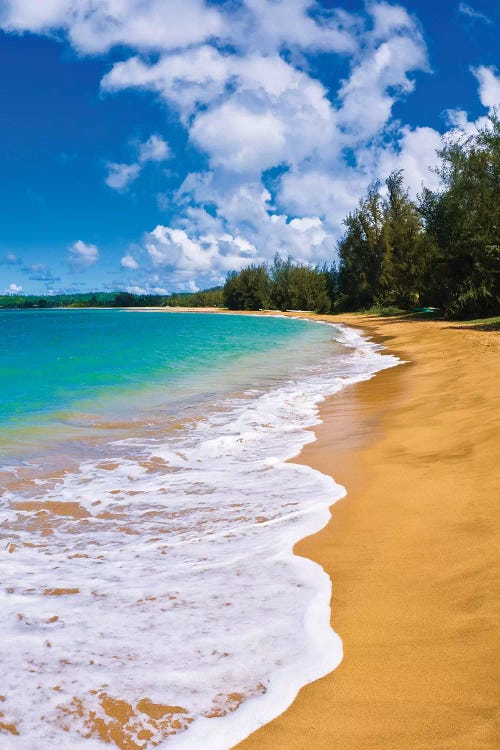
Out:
{"x": 155, "y": 593}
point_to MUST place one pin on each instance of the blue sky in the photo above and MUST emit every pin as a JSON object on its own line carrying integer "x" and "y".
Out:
{"x": 153, "y": 145}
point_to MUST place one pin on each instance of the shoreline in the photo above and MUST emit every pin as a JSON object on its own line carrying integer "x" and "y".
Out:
{"x": 314, "y": 647}
{"x": 410, "y": 550}
{"x": 417, "y": 611}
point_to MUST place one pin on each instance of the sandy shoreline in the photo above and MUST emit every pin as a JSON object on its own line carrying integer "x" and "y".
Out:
{"x": 412, "y": 551}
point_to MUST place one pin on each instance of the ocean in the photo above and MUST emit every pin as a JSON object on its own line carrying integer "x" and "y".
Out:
{"x": 149, "y": 593}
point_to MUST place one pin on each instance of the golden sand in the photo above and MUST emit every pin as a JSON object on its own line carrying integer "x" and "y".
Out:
{"x": 412, "y": 551}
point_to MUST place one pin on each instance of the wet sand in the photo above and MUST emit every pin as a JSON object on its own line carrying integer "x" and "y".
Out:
{"x": 412, "y": 551}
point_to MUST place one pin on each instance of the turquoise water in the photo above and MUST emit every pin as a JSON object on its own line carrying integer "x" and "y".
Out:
{"x": 145, "y": 480}
{"x": 75, "y": 368}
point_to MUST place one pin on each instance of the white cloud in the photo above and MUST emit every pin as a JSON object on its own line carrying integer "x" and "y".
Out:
{"x": 120, "y": 175}
{"x": 467, "y": 10}
{"x": 146, "y": 289}
{"x": 271, "y": 25}
{"x": 154, "y": 149}
{"x": 330, "y": 196}
{"x": 183, "y": 255}
{"x": 250, "y": 110}
{"x": 174, "y": 248}
{"x": 129, "y": 262}
{"x": 238, "y": 139}
{"x": 13, "y": 289}
{"x": 416, "y": 155}
{"x": 95, "y": 27}
{"x": 82, "y": 255}
{"x": 489, "y": 85}
{"x": 235, "y": 92}
{"x": 208, "y": 246}
{"x": 187, "y": 79}
{"x": 377, "y": 81}
{"x": 239, "y": 78}
{"x": 388, "y": 18}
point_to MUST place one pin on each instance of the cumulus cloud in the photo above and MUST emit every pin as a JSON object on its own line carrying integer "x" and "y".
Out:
{"x": 120, "y": 175}
{"x": 129, "y": 262}
{"x": 146, "y": 289}
{"x": 489, "y": 85}
{"x": 82, "y": 255}
{"x": 238, "y": 139}
{"x": 13, "y": 289}
{"x": 94, "y": 28}
{"x": 329, "y": 196}
{"x": 250, "y": 110}
{"x": 154, "y": 149}
{"x": 184, "y": 255}
{"x": 286, "y": 155}
{"x": 382, "y": 74}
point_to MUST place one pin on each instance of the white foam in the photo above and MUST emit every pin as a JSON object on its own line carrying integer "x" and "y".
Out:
{"x": 189, "y": 590}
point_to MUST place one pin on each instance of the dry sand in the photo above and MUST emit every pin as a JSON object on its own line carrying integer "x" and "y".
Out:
{"x": 412, "y": 551}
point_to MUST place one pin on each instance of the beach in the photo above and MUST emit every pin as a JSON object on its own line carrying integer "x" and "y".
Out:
{"x": 412, "y": 550}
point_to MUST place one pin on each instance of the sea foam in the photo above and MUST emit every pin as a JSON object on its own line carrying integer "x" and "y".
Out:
{"x": 156, "y": 594}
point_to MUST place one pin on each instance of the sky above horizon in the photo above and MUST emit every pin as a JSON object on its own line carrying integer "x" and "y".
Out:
{"x": 154, "y": 145}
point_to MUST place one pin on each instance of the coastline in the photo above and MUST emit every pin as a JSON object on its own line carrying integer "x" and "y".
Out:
{"x": 411, "y": 550}
{"x": 285, "y": 410}
{"x": 415, "y": 448}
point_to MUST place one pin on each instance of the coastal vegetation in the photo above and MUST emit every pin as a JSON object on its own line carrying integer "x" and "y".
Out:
{"x": 442, "y": 250}
{"x": 208, "y": 298}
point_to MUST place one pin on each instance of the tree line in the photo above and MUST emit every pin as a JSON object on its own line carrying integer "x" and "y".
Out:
{"x": 442, "y": 250}
{"x": 208, "y": 298}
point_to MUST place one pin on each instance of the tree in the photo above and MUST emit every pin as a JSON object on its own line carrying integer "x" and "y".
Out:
{"x": 360, "y": 254}
{"x": 247, "y": 290}
{"x": 402, "y": 241}
{"x": 463, "y": 224}
{"x": 280, "y": 282}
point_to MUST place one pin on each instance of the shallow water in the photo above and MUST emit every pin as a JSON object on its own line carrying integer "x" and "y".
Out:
{"x": 150, "y": 594}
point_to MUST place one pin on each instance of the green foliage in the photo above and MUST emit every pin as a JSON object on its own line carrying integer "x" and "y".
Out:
{"x": 89, "y": 299}
{"x": 207, "y": 298}
{"x": 381, "y": 251}
{"x": 295, "y": 286}
{"x": 382, "y": 311}
{"x": 125, "y": 299}
{"x": 247, "y": 290}
{"x": 285, "y": 286}
{"x": 361, "y": 253}
{"x": 402, "y": 258}
{"x": 482, "y": 324}
{"x": 463, "y": 225}
{"x": 445, "y": 252}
